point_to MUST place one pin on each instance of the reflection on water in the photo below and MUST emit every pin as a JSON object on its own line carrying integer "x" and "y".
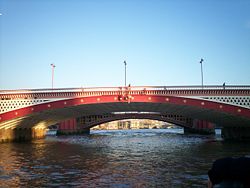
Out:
{"x": 133, "y": 158}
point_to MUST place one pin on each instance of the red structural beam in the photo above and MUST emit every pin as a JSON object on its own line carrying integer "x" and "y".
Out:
{"x": 216, "y": 106}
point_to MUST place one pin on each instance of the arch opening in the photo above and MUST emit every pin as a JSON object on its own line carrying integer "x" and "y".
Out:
{"x": 131, "y": 124}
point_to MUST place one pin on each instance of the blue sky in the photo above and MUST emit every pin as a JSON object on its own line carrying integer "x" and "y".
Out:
{"x": 88, "y": 40}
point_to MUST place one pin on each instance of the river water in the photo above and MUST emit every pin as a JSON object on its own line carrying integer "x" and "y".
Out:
{"x": 132, "y": 158}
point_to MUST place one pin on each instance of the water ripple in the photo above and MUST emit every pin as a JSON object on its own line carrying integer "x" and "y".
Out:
{"x": 133, "y": 158}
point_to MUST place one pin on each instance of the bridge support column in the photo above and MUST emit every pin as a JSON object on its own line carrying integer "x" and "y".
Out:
{"x": 201, "y": 127}
{"x": 236, "y": 133}
{"x": 71, "y": 127}
{"x": 21, "y": 134}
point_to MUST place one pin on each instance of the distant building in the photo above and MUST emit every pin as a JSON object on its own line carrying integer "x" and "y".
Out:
{"x": 133, "y": 124}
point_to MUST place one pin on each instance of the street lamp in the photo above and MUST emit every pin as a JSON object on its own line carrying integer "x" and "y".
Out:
{"x": 125, "y": 64}
{"x": 201, "y": 61}
{"x": 53, "y": 67}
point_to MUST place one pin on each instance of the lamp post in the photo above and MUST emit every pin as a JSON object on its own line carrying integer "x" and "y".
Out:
{"x": 53, "y": 67}
{"x": 125, "y": 64}
{"x": 201, "y": 61}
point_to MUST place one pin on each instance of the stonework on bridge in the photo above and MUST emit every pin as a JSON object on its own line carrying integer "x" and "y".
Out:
{"x": 211, "y": 105}
{"x": 21, "y": 134}
{"x": 236, "y": 133}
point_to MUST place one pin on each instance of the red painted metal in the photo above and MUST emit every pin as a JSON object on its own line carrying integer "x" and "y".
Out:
{"x": 68, "y": 125}
{"x": 199, "y": 103}
{"x": 201, "y": 124}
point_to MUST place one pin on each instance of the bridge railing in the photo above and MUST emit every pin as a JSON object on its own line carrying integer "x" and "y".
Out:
{"x": 132, "y": 88}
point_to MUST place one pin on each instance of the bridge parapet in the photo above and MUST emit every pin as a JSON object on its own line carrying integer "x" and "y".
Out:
{"x": 136, "y": 88}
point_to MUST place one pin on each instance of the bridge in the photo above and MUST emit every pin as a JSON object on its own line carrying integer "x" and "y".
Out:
{"x": 26, "y": 113}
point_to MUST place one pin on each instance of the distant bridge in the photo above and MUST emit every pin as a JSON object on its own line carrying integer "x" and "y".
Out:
{"x": 227, "y": 106}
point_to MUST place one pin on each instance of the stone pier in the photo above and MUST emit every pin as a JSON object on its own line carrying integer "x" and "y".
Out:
{"x": 21, "y": 134}
{"x": 200, "y": 127}
{"x": 236, "y": 133}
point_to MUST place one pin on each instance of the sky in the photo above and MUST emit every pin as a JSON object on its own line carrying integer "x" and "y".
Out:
{"x": 162, "y": 42}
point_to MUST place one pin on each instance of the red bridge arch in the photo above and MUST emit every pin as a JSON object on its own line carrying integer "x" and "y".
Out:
{"x": 53, "y": 112}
